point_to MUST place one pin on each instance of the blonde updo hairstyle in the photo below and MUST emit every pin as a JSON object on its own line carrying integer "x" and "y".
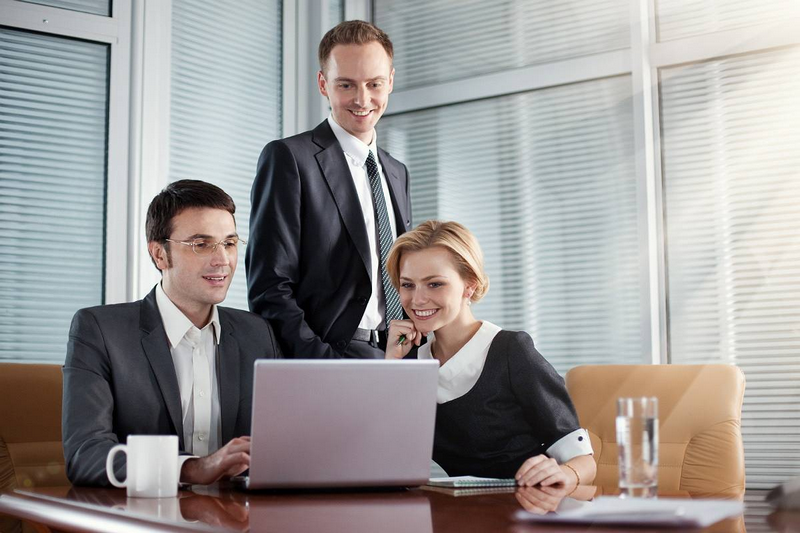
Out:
{"x": 453, "y": 237}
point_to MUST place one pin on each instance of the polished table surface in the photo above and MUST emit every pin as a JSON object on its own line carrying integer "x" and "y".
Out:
{"x": 223, "y": 508}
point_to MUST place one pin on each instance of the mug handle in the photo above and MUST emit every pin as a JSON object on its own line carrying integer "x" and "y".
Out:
{"x": 110, "y": 465}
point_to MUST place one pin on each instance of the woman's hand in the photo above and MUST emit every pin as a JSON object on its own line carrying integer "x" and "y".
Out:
{"x": 398, "y": 328}
{"x": 541, "y": 500}
{"x": 544, "y": 471}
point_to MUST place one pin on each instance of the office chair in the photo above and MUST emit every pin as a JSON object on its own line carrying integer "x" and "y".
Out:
{"x": 31, "y": 454}
{"x": 700, "y": 413}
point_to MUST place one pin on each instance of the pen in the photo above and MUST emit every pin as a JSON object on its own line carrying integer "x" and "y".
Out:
{"x": 401, "y": 340}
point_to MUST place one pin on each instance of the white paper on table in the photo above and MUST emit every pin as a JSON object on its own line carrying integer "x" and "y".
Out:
{"x": 611, "y": 510}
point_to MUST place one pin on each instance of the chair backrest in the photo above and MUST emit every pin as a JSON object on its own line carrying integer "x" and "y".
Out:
{"x": 700, "y": 413}
{"x": 31, "y": 454}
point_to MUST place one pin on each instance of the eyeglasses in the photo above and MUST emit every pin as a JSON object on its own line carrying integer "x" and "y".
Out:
{"x": 208, "y": 247}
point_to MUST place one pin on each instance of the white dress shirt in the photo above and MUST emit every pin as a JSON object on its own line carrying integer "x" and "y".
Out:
{"x": 355, "y": 153}
{"x": 461, "y": 372}
{"x": 194, "y": 354}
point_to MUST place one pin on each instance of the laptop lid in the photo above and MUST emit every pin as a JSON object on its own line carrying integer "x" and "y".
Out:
{"x": 342, "y": 423}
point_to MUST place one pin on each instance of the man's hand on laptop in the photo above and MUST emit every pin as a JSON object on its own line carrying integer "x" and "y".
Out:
{"x": 230, "y": 460}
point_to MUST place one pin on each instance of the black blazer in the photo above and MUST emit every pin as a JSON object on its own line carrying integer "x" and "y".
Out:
{"x": 119, "y": 380}
{"x": 308, "y": 257}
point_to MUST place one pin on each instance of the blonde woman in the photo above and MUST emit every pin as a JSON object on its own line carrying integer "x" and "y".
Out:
{"x": 503, "y": 411}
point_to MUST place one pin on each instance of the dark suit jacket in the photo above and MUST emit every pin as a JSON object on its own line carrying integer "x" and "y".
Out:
{"x": 308, "y": 257}
{"x": 119, "y": 380}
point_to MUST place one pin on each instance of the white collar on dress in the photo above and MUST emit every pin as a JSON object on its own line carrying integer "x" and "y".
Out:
{"x": 461, "y": 372}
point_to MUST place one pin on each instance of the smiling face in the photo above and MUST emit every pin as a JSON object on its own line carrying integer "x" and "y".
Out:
{"x": 357, "y": 81}
{"x": 196, "y": 282}
{"x": 432, "y": 291}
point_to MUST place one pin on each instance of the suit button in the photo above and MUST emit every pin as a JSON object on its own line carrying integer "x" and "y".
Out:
{"x": 341, "y": 344}
{"x": 362, "y": 301}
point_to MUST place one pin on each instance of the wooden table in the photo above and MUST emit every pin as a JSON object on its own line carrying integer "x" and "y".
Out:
{"x": 222, "y": 508}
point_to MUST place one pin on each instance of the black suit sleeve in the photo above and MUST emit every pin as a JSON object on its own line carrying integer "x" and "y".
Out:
{"x": 541, "y": 391}
{"x": 88, "y": 405}
{"x": 273, "y": 254}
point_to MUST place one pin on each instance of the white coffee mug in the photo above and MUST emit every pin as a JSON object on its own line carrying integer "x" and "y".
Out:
{"x": 152, "y": 466}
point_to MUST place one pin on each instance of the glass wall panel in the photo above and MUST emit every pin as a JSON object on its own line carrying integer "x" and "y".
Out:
{"x": 732, "y": 183}
{"x": 226, "y": 99}
{"x": 442, "y": 40}
{"x": 335, "y": 12}
{"x": 546, "y": 181}
{"x": 687, "y": 18}
{"x": 53, "y": 139}
{"x": 95, "y": 7}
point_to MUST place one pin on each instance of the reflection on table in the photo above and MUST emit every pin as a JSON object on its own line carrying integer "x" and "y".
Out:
{"x": 225, "y": 508}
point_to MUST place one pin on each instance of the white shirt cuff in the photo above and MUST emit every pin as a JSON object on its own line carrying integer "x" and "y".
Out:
{"x": 570, "y": 446}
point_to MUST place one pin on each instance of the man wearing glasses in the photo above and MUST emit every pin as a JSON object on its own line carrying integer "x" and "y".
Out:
{"x": 174, "y": 363}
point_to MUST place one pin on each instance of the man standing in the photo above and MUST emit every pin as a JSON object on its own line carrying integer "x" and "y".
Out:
{"x": 327, "y": 205}
{"x": 174, "y": 363}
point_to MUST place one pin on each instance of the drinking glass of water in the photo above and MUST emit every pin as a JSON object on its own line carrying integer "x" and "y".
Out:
{"x": 637, "y": 440}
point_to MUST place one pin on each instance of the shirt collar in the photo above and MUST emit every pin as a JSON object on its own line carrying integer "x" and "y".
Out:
{"x": 176, "y": 324}
{"x": 473, "y": 352}
{"x": 353, "y": 146}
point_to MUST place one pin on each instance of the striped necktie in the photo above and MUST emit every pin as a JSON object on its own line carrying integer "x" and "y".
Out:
{"x": 393, "y": 309}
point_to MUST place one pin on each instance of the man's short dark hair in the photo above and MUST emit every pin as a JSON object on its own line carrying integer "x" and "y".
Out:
{"x": 352, "y": 32}
{"x": 177, "y": 196}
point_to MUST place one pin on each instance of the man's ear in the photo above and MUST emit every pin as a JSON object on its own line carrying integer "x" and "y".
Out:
{"x": 322, "y": 83}
{"x": 159, "y": 255}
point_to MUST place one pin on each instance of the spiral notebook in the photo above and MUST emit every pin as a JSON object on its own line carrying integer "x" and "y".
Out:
{"x": 470, "y": 481}
{"x": 470, "y": 491}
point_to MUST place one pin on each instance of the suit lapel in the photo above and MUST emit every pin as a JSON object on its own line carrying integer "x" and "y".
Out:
{"x": 395, "y": 176}
{"x": 156, "y": 347}
{"x": 337, "y": 174}
{"x": 228, "y": 370}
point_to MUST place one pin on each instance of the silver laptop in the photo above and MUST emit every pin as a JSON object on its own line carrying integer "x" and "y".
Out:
{"x": 342, "y": 423}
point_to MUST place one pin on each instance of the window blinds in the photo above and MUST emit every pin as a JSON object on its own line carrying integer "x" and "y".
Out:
{"x": 95, "y": 7}
{"x": 53, "y": 99}
{"x": 437, "y": 40}
{"x": 225, "y": 99}
{"x": 731, "y": 160}
{"x": 335, "y": 12}
{"x": 546, "y": 181}
{"x": 687, "y": 18}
